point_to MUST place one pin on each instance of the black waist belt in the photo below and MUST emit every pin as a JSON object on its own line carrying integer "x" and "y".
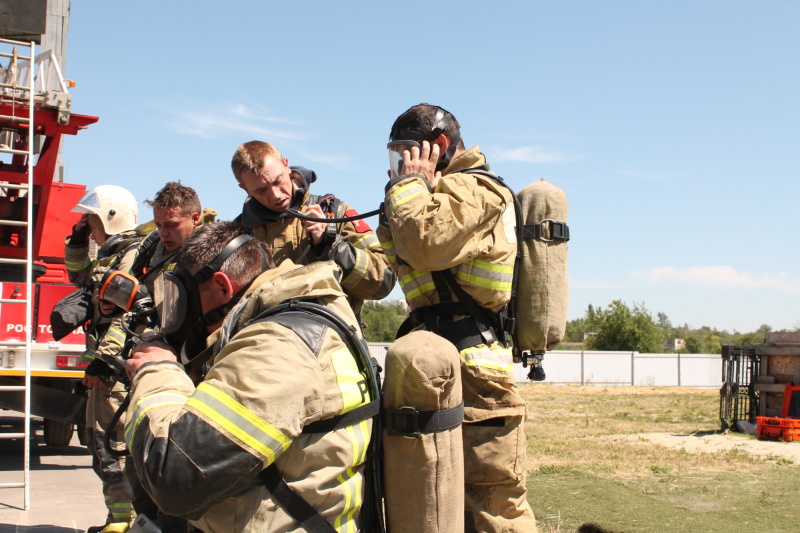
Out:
{"x": 408, "y": 422}
{"x": 463, "y": 333}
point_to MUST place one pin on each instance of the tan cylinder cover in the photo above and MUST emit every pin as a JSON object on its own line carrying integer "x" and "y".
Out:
{"x": 542, "y": 292}
{"x": 424, "y": 475}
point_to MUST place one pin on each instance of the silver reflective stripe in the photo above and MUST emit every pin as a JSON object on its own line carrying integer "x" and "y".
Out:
{"x": 239, "y": 422}
{"x": 404, "y": 193}
{"x": 145, "y": 404}
{"x": 417, "y": 283}
{"x": 359, "y": 270}
{"x": 486, "y": 275}
{"x": 497, "y": 358}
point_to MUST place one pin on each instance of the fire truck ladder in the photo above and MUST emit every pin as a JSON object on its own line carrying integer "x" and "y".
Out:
{"x": 17, "y": 93}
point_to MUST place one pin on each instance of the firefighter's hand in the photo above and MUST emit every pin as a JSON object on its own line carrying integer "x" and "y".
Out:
{"x": 423, "y": 161}
{"x": 315, "y": 230}
{"x": 148, "y": 352}
{"x": 82, "y": 225}
{"x": 81, "y": 230}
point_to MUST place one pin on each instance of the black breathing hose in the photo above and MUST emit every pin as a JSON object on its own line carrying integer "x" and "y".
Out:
{"x": 301, "y": 216}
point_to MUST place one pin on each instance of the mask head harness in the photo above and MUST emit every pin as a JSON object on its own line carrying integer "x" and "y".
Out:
{"x": 415, "y": 138}
{"x": 181, "y": 309}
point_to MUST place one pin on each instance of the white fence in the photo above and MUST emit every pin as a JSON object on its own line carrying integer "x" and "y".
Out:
{"x": 617, "y": 368}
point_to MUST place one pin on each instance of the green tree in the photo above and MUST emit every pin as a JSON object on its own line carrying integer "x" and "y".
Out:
{"x": 620, "y": 327}
{"x": 694, "y": 344}
{"x": 381, "y": 321}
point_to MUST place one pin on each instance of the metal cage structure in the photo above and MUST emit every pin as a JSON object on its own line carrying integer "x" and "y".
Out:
{"x": 738, "y": 398}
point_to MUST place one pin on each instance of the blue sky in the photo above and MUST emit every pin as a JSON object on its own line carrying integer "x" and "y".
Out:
{"x": 671, "y": 126}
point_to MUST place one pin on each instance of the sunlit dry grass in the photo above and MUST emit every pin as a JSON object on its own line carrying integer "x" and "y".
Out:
{"x": 583, "y": 427}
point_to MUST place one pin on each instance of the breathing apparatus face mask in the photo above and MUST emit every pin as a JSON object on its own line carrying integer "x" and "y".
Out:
{"x": 406, "y": 139}
{"x": 123, "y": 290}
{"x": 182, "y": 316}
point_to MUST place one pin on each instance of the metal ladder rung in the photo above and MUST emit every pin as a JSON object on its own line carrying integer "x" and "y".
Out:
{"x": 10, "y": 151}
{"x": 12, "y": 301}
{"x": 12, "y": 485}
{"x": 15, "y": 118}
{"x": 12, "y": 436}
{"x": 11, "y": 344}
{"x": 12, "y": 261}
{"x": 12, "y": 388}
{"x": 21, "y": 186}
{"x": 23, "y": 223}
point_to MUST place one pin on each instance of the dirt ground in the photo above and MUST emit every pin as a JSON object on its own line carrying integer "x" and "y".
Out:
{"x": 719, "y": 442}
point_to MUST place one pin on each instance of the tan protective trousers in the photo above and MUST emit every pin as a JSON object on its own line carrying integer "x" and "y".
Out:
{"x": 100, "y": 409}
{"x": 495, "y": 456}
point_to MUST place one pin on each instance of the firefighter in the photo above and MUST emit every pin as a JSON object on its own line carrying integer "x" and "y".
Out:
{"x": 200, "y": 451}
{"x": 110, "y": 215}
{"x": 177, "y": 213}
{"x": 450, "y": 236}
{"x": 273, "y": 187}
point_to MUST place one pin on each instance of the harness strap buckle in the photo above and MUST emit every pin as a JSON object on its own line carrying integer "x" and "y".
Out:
{"x": 403, "y": 422}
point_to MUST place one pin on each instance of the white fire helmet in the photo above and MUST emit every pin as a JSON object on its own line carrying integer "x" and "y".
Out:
{"x": 117, "y": 208}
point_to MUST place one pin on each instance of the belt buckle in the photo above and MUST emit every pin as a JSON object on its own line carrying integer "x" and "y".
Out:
{"x": 403, "y": 422}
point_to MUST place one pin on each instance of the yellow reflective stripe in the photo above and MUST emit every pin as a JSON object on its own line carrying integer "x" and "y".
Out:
{"x": 351, "y": 484}
{"x": 498, "y": 358}
{"x": 359, "y": 270}
{"x": 116, "y": 335}
{"x": 360, "y": 436}
{"x": 120, "y": 511}
{"x": 417, "y": 283}
{"x": 367, "y": 241}
{"x": 405, "y": 193}
{"x": 238, "y": 421}
{"x": 352, "y": 383}
{"x": 350, "y": 480}
{"x": 76, "y": 266}
{"x": 486, "y": 275}
{"x": 389, "y": 250}
{"x": 143, "y": 406}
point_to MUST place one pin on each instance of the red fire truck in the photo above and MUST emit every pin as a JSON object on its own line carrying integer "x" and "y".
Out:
{"x": 35, "y": 218}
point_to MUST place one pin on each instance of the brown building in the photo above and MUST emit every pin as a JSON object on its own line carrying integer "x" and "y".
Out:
{"x": 780, "y": 365}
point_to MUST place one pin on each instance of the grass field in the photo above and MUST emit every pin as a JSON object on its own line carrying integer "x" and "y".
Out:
{"x": 590, "y": 462}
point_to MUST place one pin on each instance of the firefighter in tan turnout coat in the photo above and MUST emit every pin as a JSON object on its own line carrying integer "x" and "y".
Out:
{"x": 274, "y": 187}
{"x": 200, "y": 450}
{"x": 110, "y": 216}
{"x": 450, "y": 235}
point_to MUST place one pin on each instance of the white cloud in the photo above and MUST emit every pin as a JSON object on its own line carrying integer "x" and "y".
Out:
{"x": 719, "y": 277}
{"x": 529, "y": 154}
{"x": 214, "y": 121}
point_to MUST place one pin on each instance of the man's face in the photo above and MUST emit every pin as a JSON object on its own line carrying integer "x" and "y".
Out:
{"x": 174, "y": 228}
{"x": 272, "y": 186}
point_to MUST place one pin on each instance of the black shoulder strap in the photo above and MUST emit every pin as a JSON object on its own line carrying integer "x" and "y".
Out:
{"x": 293, "y": 503}
{"x": 146, "y": 250}
{"x": 122, "y": 254}
{"x": 503, "y": 322}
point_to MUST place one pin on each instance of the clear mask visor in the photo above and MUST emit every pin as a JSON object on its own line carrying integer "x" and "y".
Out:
{"x": 176, "y": 301}
{"x": 119, "y": 288}
{"x": 396, "y": 149}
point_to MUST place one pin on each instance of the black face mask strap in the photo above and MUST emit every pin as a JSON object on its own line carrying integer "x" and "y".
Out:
{"x": 205, "y": 273}
{"x": 217, "y": 314}
{"x": 440, "y": 123}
